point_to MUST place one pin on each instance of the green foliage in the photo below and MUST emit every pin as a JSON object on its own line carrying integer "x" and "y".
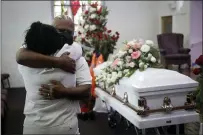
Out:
{"x": 199, "y": 94}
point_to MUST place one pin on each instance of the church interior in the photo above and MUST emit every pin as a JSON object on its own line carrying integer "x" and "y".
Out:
{"x": 155, "y": 53}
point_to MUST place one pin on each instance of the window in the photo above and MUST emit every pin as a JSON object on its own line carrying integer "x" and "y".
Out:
{"x": 64, "y": 7}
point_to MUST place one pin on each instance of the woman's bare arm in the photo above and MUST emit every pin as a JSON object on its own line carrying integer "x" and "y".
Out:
{"x": 36, "y": 60}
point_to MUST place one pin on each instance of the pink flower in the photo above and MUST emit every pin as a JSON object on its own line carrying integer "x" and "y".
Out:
{"x": 136, "y": 55}
{"x": 115, "y": 63}
{"x": 137, "y": 45}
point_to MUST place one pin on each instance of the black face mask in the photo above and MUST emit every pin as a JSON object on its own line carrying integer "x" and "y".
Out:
{"x": 66, "y": 37}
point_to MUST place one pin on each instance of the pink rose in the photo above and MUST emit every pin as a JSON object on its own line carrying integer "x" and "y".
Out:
{"x": 136, "y": 55}
{"x": 137, "y": 45}
{"x": 115, "y": 63}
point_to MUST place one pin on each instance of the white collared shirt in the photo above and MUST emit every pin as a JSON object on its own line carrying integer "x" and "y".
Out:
{"x": 50, "y": 113}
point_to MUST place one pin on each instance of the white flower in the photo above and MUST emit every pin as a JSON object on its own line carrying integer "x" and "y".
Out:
{"x": 93, "y": 16}
{"x": 149, "y": 55}
{"x": 153, "y": 59}
{"x": 120, "y": 74}
{"x": 82, "y": 22}
{"x": 109, "y": 76}
{"x": 125, "y": 71}
{"x": 149, "y": 42}
{"x": 127, "y": 65}
{"x": 87, "y": 27}
{"x": 130, "y": 50}
{"x": 128, "y": 58}
{"x": 131, "y": 43}
{"x": 93, "y": 27}
{"x": 120, "y": 63}
{"x": 81, "y": 29}
{"x": 145, "y": 48}
{"x": 141, "y": 64}
{"x": 101, "y": 18}
{"x": 131, "y": 64}
{"x": 121, "y": 53}
{"x": 91, "y": 9}
{"x": 145, "y": 66}
{"x": 114, "y": 78}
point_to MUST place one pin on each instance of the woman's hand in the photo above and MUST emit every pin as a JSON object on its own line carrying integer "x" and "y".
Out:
{"x": 53, "y": 91}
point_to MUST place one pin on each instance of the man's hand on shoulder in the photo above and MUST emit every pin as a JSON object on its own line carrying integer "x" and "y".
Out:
{"x": 66, "y": 63}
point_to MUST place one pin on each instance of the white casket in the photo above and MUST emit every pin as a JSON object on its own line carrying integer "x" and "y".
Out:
{"x": 154, "y": 91}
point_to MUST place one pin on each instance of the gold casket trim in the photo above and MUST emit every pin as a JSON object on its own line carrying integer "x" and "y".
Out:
{"x": 144, "y": 110}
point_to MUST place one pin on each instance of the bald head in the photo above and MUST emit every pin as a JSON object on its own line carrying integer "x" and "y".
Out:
{"x": 64, "y": 22}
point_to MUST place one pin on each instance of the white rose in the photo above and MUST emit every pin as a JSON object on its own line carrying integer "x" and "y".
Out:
{"x": 149, "y": 55}
{"x": 145, "y": 66}
{"x": 113, "y": 79}
{"x": 120, "y": 74}
{"x": 128, "y": 58}
{"x": 114, "y": 73}
{"x": 121, "y": 53}
{"x": 93, "y": 16}
{"x": 145, "y": 48}
{"x": 141, "y": 64}
{"x": 109, "y": 76}
{"x": 130, "y": 51}
{"x": 149, "y": 42}
{"x": 93, "y": 27}
{"x": 131, "y": 64}
{"x": 126, "y": 71}
{"x": 87, "y": 27}
{"x": 82, "y": 22}
{"x": 153, "y": 59}
{"x": 92, "y": 9}
{"x": 81, "y": 29}
{"x": 130, "y": 43}
{"x": 127, "y": 65}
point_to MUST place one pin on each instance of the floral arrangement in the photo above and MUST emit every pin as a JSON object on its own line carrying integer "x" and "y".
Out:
{"x": 88, "y": 56}
{"x": 198, "y": 70}
{"x": 136, "y": 54}
{"x": 92, "y": 30}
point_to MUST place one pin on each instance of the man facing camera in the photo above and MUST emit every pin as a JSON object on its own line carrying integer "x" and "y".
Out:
{"x": 62, "y": 119}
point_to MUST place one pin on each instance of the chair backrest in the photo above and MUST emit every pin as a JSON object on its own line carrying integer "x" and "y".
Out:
{"x": 171, "y": 42}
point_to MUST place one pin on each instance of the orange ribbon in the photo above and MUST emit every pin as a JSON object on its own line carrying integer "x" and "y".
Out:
{"x": 95, "y": 61}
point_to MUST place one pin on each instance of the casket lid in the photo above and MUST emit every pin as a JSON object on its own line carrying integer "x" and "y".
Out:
{"x": 153, "y": 79}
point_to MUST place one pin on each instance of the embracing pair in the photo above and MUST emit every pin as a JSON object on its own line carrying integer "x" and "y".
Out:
{"x": 56, "y": 77}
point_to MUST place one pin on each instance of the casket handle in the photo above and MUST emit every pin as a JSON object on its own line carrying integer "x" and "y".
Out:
{"x": 167, "y": 105}
{"x": 190, "y": 101}
{"x": 125, "y": 98}
{"x": 113, "y": 91}
{"x": 142, "y": 102}
{"x": 143, "y": 108}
